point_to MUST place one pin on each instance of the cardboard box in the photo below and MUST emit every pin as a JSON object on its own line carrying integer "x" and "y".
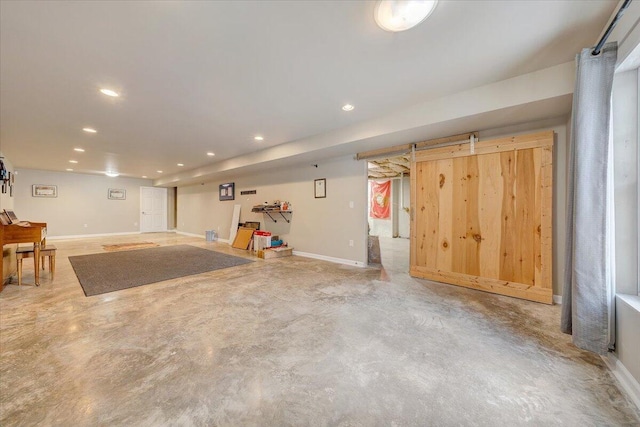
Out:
{"x": 275, "y": 253}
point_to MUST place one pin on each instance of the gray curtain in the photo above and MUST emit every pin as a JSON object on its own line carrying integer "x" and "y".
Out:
{"x": 586, "y": 295}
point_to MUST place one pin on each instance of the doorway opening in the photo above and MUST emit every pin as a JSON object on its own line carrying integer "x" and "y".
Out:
{"x": 388, "y": 212}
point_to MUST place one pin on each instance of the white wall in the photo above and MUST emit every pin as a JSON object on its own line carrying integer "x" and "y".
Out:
{"x": 625, "y": 153}
{"x": 82, "y": 199}
{"x": 318, "y": 226}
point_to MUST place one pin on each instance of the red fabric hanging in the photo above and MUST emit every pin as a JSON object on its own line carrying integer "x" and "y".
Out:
{"x": 380, "y": 203}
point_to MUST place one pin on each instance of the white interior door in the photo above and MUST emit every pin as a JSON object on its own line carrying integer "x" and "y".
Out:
{"x": 153, "y": 209}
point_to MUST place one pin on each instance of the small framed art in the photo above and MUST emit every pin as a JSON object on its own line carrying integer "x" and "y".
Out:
{"x": 40, "y": 190}
{"x": 117, "y": 194}
{"x": 227, "y": 191}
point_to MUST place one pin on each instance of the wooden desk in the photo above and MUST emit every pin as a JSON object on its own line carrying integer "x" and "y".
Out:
{"x": 32, "y": 232}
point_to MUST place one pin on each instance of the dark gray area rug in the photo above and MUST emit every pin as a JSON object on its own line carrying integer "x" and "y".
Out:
{"x": 114, "y": 271}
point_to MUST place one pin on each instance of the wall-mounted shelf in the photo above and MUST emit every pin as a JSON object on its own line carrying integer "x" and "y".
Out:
{"x": 269, "y": 212}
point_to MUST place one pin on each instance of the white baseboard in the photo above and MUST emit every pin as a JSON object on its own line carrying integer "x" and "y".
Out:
{"x": 629, "y": 384}
{"x": 557, "y": 299}
{"x": 184, "y": 233}
{"x": 329, "y": 258}
{"x": 84, "y": 236}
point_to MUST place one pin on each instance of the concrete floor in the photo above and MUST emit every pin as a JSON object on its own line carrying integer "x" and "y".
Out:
{"x": 290, "y": 341}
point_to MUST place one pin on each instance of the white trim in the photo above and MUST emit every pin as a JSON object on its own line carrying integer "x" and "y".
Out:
{"x": 632, "y": 301}
{"x": 629, "y": 384}
{"x": 83, "y": 236}
{"x": 184, "y": 233}
{"x": 330, "y": 259}
{"x": 557, "y": 299}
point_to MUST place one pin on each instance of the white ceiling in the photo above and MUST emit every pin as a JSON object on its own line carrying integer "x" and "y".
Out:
{"x": 209, "y": 76}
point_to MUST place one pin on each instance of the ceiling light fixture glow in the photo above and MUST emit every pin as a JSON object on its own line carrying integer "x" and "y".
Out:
{"x": 110, "y": 92}
{"x": 144, "y": 176}
{"x": 401, "y": 15}
{"x": 159, "y": 171}
{"x": 89, "y": 130}
{"x": 73, "y": 161}
{"x": 111, "y": 174}
{"x": 69, "y": 170}
{"x": 348, "y": 107}
{"x": 210, "y": 154}
{"x": 258, "y": 138}
{"x": 79, "y": 150}
{"x": 180, "y": 164}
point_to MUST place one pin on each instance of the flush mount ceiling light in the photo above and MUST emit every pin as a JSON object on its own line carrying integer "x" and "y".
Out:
{"x": 348, "y": 107}
{"x": 109, "y": 92}
{"x": 180, "y": 164}
{"x": 79, "y": 150}
{"x": 69, "y": 170}
{"x": 258, "y": 138}
{"x": 73, "y": 161}
{"x": 401, "y": 15}
{"x": 144, "y": 176}
{"x": 210, "y": 154}
{"x": 159, "y": 171}
{"x": 112, "y": 174}
{"x": 89, "y": 130}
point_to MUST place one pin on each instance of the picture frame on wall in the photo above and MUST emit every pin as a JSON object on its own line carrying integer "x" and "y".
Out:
{"x": 227, "y": 191}
{"x": 320, "y": 188}
{"x": 41, "y": 190}
{"x": 117, "y": 194}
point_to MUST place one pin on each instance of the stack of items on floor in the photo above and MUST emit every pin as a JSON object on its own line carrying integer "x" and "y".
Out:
{"x": 267, "y": 246}
{"x": 261, "y": 243}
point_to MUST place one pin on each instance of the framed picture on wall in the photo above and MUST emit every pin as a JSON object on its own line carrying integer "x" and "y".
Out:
{"x": 320, "y": 188}
{"x": 40, "y": 190}
{"x": 117, "y": 194}
{"x": 227, "y": 191}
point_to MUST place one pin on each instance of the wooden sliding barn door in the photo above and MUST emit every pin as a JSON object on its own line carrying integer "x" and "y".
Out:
{"x": 483, "y": 220}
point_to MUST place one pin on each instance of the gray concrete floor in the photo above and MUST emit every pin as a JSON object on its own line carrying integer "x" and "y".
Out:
{"x": 291, "y": 341}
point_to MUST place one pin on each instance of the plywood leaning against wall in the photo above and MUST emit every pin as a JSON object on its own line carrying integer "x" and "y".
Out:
{"x": 483, "y": 220}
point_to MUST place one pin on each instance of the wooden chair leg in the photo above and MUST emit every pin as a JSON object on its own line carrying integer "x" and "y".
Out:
{"x": 19, "y": 271}
{"x": 42, "y": 262}
{"x": 52, "y": 265}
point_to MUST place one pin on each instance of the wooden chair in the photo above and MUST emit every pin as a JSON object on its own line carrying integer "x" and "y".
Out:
{"x": 27, "y": 252}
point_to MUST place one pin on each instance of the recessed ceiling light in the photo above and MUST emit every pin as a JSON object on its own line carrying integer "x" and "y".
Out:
{"x": 258, "y": 138}
{"x": 109, "y": 92}
{"x": 401, "y": 15}
{"x": 89, "y": 130}
{"x": 73, "y": 161}
{"x": 79, "y": 150}
{"x": 69, "y": 170}
{"x": 348, "y": 107}
{"x": 210, "y": 154}
{"x": 180, "y": 164}
{"x": 111, "y": 174}
{"x": 159, "y": 171}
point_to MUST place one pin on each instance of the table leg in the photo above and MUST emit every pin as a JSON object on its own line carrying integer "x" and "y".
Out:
{"x": 36, "y": 262}
{"x": 20, "y": 271}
